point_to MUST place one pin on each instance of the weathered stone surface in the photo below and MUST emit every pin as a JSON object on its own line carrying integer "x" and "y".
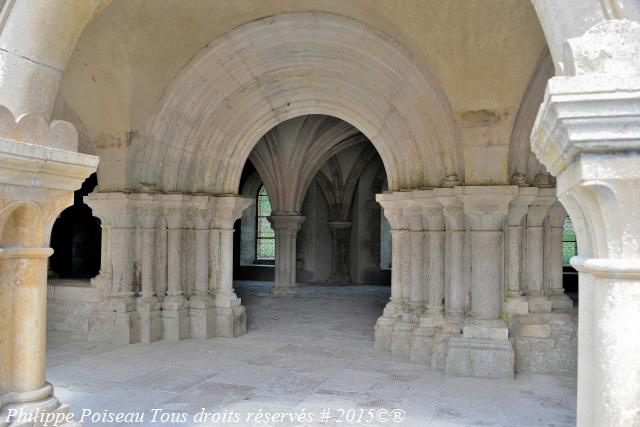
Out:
{"x": 481, "y": 358}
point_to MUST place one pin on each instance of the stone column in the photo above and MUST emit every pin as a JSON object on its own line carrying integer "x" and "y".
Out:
{"x": 587, "y": 135}
{"x": 340, "y": 243}
{"x": 484, "y": 349}
{"x": 456, "y": 297}
{"x": 231, "y": 317}
{"x": 425, "y": 335}
{"x": 148, "y": 306}
{"x": 515, "y": 256}
{"x": 397, "y": 309}
{"x": 175, "y": 316}
{"x": 536, "y": 216}
{"x": 408, "y": 267}
{"x": 36, "y": 184}
{"x": 559, "y": 300}
{"x": 286, "y": 230}
{"x": 201, "y": 312}
{"x": 116, "y": 318}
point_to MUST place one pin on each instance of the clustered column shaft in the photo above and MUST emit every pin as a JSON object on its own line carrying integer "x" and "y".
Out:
{"x": 435, "y": 315}
{"x": 176, "y": 295}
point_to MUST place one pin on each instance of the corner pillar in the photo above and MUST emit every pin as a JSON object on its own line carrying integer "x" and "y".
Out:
{"x": 587, "y": 135}
{"x": 231, "y": 316}
{"x": 36, "y": 183}
{"x": 115, "y": 317}
{"x": 397, "y": 207}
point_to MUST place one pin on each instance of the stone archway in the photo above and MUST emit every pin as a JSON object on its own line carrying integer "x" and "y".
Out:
{"x": 279, "y": 67}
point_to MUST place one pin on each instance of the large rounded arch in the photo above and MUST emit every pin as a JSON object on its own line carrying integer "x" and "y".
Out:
{"x": 279, "y": 67}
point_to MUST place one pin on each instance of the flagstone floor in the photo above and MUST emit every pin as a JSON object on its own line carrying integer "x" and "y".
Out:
{"x": 308, "y": 358}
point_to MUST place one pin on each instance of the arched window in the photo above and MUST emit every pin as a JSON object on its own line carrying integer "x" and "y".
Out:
{"x": 569, "y": 244}
{"x": 265, "y": 237}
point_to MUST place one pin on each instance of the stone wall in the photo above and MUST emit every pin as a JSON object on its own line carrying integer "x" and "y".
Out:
{"x": 546, "y": 342}
{"x": 70, "y": 304}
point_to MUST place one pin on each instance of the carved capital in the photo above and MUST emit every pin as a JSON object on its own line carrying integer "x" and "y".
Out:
{"x": 396, "y": 206}
{"x": 539, "y": 208}
{"x": 227, "y": 209}
{"x": 596, "y": 109}
{"x": 286, "y": 225}
{"x": 486, "y": 207}
{"x": 519, "y": 205}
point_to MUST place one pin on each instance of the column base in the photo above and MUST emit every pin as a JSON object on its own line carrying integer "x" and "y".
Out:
{"x": 422, "y": 345}
{"x": 35, "y": 408}
{"x": 515, "y": 305}
{"x": 230, "y": 322}
{"x": 561, "y": 301}
{"x": 202, "y": 317}
{"x": 231, "y": 316}
{"x": 383, "y": 331}
{"x": 480, "y": 358}
{"x": 150, "y": 319}
{"x": 429, "y": 339}
{"x": 175, "y": 318}
{"x": 284, "y": 291}
{"x": 401, "y": 337}
{"x": 486, "y": 329}
{"x": 539, "y": 304}
{"x": 115, "y": 321}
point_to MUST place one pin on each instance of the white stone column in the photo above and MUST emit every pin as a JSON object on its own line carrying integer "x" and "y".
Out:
{"x": 116, "y": 318}
{"x": 36, "y": 184}
{"x": 559, "y": 300}
{"x": 231, "y": 316}
{"x": 515, "y": 256}
{"x": 147, "y": 304}
{"x": 286, "y": 230}
{"x": 397, "y": 309}
{"x": 175, "y": 316}
{"x": 536, "y": 216}
{"x": 484, "y": 349}
{"x": 201, "y": 311}
{"x": 587, "y": 135}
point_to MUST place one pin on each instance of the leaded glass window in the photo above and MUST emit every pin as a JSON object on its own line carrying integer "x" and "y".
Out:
{"x": 569, "y": 244}
{"x": 265, "y": 237}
